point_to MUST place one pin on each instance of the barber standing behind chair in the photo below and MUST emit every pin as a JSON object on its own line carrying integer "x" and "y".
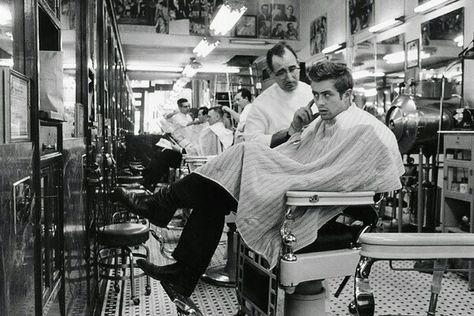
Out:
{"x": 243, "y": 99}
{"x": 273, "y": 110}
{"x": 181, "y": 117}
{"x": 216, "y": 138}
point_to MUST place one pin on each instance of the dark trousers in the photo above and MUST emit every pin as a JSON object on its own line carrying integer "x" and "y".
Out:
{"x": 158, "y": 168}
{"x": 210, "y": 203}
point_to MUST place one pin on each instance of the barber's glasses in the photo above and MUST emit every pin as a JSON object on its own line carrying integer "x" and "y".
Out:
{"x": 292, "y": 70}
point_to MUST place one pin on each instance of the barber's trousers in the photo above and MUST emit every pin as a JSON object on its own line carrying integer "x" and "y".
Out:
{"x": 210, "y": 203}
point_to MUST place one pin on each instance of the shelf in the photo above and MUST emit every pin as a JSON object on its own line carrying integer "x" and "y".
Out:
{"x": 458, "y": 196}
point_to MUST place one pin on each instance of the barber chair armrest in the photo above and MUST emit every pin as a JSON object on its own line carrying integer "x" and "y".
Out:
{"x": 315, "y": 198}
{"x": 312, "y": 199}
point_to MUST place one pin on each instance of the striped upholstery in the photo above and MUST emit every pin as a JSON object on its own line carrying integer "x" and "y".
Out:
{"x": 353, "y": 152}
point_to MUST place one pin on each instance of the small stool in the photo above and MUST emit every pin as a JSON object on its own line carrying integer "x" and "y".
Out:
{"x": 123, "y": 236}
{"x": 438, "y": 247}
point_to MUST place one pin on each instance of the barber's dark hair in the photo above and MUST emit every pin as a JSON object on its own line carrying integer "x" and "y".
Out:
{"x": 181, "y": 101}
{"x": 278, "y": 50}
{"x": 327, "y": 70}
{"x": 246, "y": 94}
{"x": 218, "y": 109}
{"x": 204, "y": 110}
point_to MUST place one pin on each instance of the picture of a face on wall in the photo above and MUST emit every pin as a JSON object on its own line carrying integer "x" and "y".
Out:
{"x": 360, "y": 14}
{"x": 278, "y": 19}
{"x": 318, "y": 35}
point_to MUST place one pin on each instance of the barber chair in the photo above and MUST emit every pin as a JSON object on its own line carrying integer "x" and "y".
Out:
{"x": 300, "y": 275}
{"x": 437, "y": 247}
{"x": 225, "y": 274}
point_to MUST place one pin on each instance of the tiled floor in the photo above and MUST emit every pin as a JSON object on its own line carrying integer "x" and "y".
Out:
{"x": 396, "y": 293}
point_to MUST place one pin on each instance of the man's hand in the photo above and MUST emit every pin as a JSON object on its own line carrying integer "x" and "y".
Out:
{"x": 226, "y": 108}
{"x": 303, "y": 116}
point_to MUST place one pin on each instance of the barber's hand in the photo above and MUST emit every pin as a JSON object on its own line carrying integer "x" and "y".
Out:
{"x": 225, "y": 108}
{"x": 303, "y": 116}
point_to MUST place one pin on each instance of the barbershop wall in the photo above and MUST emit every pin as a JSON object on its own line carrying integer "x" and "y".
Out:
{"x": 338, "y": 28}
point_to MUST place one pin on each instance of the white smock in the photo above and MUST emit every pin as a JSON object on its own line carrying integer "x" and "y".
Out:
{"x": 273, "y": 111}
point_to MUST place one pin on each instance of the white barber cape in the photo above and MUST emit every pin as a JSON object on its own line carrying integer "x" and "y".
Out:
{"x": 214, "y": 139}
{"x": 180, "y": 119}
{"x": 352, "y": 152}
{"x": 273, "y": 111}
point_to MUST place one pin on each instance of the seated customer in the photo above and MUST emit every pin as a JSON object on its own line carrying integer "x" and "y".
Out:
{"x": 216, "y": 138}
{"x": 344, "y": 149}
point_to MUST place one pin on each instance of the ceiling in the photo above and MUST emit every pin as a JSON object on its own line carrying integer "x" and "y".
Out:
{"x": 148, "y": 48}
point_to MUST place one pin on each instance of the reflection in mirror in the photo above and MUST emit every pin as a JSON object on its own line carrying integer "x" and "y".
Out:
{"x": 68, "y": 37}
{"x": 441, "y": 42}
{"x": 339, "y": 56}
{"x": 364, "y": 74}
{"x": 11, "y": 35}
{"x": 390, "y": 60}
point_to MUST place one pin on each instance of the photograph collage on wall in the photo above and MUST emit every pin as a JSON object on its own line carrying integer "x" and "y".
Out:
{"x": 159, "y": 13}
{"x": 278, "y": 20}
{"x": 318, "y": 34}
{"x": 275, "y": 19}
{"x": 361, "y": 14}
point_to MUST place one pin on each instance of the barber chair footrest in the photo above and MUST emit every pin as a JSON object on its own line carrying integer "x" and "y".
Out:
{"x": 318, "y": 266}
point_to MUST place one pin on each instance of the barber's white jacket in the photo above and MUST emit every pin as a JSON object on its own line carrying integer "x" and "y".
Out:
{"x": 273, "y": 111}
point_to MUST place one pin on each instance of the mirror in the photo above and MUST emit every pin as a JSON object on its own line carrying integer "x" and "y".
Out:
{"x": 364, "y": 74}
{"x": 441, "y": 42}
{"x": 390, "y": 60}
{"x": 68, "y": 38}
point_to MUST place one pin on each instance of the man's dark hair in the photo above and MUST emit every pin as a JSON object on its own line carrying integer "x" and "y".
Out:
{"x": 181, "y": 101}
{"x": 245, "y": 94}
{"x": 218, "y": 109}
{"x": 204, "y": 110}
{"x": 327, "y": 70}
{"x": 278, "y": 50}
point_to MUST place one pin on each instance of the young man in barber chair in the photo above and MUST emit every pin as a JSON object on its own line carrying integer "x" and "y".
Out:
{"x": 344, "y": 149}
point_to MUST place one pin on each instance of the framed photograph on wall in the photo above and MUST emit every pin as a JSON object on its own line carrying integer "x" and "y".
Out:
{"x": 413, "y": 53}
{"x": 246, "y": 26}
{"x": 318, "y": 35}
{"x": 361, "y": 14}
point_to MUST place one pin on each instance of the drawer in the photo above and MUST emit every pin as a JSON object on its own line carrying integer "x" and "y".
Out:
{"x": 458, "y": 141}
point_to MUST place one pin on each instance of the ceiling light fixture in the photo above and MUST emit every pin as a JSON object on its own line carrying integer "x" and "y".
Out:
{"x": 226, "y": 18}
{"x": 151, "y": 67}
{"x": 365, "y": 73}
{"x": 387, "y": 24}
{"x": 204, "y": 47}
{"x": 189, "y": 71}
{"x": 399, "y": 57}
{"x": 333, "y": 48}
{"x": 248, "y": 42}
{"x": 219, "y": 69}
{"x": 430, "y": 5}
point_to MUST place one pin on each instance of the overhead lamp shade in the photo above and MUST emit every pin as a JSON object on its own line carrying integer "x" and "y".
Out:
{"x": 225, "y": 19}
{"x": 387, "y": 24}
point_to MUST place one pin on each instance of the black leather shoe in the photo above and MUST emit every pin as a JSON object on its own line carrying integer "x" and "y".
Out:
{"x": 176, "y": 276}
{"x": 144, "y": 205}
